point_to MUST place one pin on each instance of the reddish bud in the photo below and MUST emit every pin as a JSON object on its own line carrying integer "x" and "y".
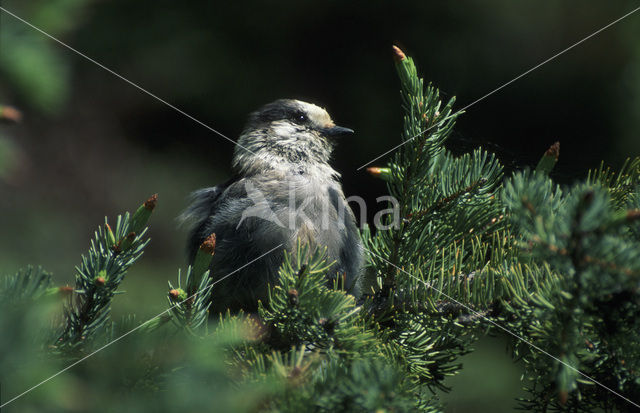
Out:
{"x": 7, "y": 113}
{"x": 209, "y": 244}
{"x": 398, "y": 54}
{"x": 553, "y": 151}
{"x": 377, "y": 172}
{"x": 293, "y": 296}
{"x": 151, "y": 203}
{"x": 65, "y": 289}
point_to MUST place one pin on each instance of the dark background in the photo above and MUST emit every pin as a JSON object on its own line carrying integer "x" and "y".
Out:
{"x": 92, "y": 145}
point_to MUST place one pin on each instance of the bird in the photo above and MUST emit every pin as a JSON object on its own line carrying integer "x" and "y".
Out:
{"x": 282, "y": 192}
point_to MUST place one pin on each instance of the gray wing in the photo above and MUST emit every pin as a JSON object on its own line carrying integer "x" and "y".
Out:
{"x": 204, "y": 204}
{"x": 351, "y": 257}
{"x": 220, "y": 209}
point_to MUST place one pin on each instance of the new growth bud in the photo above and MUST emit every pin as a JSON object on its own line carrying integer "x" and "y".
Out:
{"x": 151, "y": 203}
{"x": 110, "y": 237}
{"x": 142, "y": 215}
{"x": 382, "y": 173}
{"x": 63, "y": 291}
{"x": 209, "y": 245}
{"x": 398, "y": 54}
{"x": 549, "y": 159}
{"x": 405, "y": 67}
{"x": 293, "y": 297}
{"x": 9, "y": 114}
{"x": 177, "y": 294}
{"x": 66, "y": 289}
{"x": 202, "y": 261}
{"x": 554, "y": 151}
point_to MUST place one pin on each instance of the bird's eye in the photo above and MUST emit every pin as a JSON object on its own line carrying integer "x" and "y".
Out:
{"x": 300, "y": 117}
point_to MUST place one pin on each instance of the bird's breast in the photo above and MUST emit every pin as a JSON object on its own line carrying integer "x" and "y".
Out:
{"x": 301, "y": 207}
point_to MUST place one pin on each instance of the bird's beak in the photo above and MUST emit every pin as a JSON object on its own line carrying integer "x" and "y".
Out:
{"x": 335, "y": 131}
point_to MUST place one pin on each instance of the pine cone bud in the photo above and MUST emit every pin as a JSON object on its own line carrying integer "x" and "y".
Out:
{"x": 61, "y": 291}
{"x": 382, "y": 173}
{"x": 553, "y": 151}
{"x": 293, "y": 297}
{"x": 203, "y": 258}
{"x": 398, "y": 54}
{"x": 142, "y": 215}
{"x": 177, "y": 294}
{"x": 209, "y": 244}
{"x": 66, "y": 289}
{"x": 151, "y": 203}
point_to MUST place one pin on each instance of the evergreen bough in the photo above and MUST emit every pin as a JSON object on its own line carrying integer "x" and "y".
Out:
{"x": 554, "y": 268}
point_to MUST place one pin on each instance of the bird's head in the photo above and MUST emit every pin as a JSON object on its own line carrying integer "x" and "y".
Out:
{"x": 286, "y": 134}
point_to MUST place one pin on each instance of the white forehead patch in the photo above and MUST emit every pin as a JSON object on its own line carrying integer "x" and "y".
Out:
{"x": 316, "y": 114}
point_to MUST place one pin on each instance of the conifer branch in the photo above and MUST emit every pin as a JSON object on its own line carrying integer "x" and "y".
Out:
{"x": 111, "y": 253}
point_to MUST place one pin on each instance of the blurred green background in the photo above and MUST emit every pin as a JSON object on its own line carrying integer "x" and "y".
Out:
{"x": 92, "y": 145}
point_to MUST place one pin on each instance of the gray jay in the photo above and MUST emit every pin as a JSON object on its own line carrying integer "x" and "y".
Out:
{"x": 283, "y": 191}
